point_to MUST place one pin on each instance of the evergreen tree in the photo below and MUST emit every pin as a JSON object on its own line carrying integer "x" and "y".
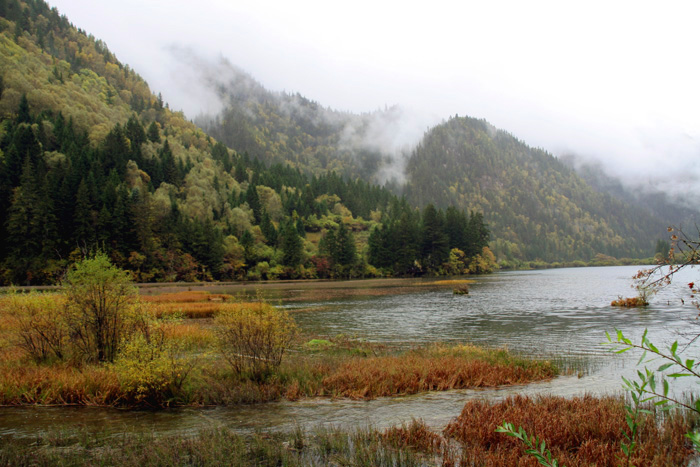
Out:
{"x": 268, "y": 229}
{"x": 23, "y": 115}
{"x": 83, "y": 222}
{"x": 434, "y": 242}
{"x": 251, "y": 197}
{"x": 153, "y": 132}
{"x": 24, "y": 228}
{"x": 292, "y": 247}
{"x": 240, "y": 174}
{"x": 344, "y": 251}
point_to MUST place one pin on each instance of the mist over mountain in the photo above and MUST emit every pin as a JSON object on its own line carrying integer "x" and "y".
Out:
{"x": 673, "y": 207}
{"x": 280, "y": 127}
{"x": 538, "y": 206}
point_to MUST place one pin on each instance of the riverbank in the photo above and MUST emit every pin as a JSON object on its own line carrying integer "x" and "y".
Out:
{"x": 578, "y": 431}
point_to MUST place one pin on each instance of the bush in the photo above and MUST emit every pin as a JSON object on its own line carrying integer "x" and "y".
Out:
{"x": 150, "y": 368}
{"x": 39, "y": 324}
{"x": 253, "y": 338}
{"x": 99, "y": 299}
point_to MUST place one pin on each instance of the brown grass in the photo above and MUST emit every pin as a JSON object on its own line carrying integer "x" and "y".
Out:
{"x": 409, "y": 374}
{"x": 578, "y": 431}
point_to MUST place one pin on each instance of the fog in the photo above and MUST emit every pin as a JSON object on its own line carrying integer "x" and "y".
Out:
{"x": 614, "y": 82}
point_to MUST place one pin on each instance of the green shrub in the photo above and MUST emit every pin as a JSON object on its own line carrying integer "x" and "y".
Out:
{"x": 99, "y": 297}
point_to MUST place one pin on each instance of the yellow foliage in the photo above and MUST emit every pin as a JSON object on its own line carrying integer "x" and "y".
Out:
{"x": 150, "y": 368}
{"x": 253, "y": 337}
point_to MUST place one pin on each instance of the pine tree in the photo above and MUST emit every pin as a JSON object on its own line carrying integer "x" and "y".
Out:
{"x": 292, "y": 247}
{"x": 153, "y": 132}
{"x": 268, "y": 229}
{"x": 344, "y": 252}
{"x": 251, "y": 197}
{"x": 83, "y": 217}
{"x": 434, "y": 243}
{"x": 24, "y": 227}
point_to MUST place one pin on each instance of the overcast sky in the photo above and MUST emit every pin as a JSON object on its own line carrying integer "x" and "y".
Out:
{"x": 618, "y": 81}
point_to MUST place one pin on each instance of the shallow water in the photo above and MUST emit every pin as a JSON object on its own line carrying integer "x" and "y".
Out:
{"x": 561, "y": 314}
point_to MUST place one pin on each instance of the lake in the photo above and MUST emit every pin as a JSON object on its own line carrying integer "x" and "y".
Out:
{"x": 559, "y": 314}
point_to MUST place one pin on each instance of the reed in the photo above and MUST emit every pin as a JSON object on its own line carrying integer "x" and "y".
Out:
{"x": 198, "y": 310}
{"x": 213, "y": 447}
{"x": 186, "y": 297}
{"x": 411, "y": 373}
{"x": 578, "y": 431}
{"x": 58, "y": 385}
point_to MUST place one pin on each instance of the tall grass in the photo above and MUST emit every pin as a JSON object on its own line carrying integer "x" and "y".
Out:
{"x": 578, "y": 431}
{"x": 214, "y": 447}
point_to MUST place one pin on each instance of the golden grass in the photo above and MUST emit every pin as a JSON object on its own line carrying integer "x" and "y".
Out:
{"x": 190, "y": 336}
{"x": 186, "y": 297}
{"x": 58, "y": 385}
{"x": 197, "y": 310}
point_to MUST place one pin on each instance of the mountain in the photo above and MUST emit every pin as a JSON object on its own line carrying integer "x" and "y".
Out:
{"x": 91, "y": 160}
{"x": 669, "y": 209}
{"x": 537, "y": 206}
{"x": 288, "y": 128}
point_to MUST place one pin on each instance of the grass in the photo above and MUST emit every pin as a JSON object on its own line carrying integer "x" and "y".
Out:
{"x": 453, "y": 282}
{"x": 335, "y": 367}
{"x": 212, "y": 447}
{"x": 579, "y": 431}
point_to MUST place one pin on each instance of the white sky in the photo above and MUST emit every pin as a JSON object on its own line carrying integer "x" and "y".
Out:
{"x": 618, "y": 81}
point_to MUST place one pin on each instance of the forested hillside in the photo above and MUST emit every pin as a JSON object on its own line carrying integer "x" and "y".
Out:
{"x": 91, "y": 160}
{"x": 537, "y": 206}
{"x": 290, "y": 129}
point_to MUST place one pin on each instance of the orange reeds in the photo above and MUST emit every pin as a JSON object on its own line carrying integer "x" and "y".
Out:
{"x": 191, "y": 335}
{"x": 186, "y": 297}
{"x": 386, "y": 376}
{"x": 578, "y": 431}
{"x": 192, "y": 304}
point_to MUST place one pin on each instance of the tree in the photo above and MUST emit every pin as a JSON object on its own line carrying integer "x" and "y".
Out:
{"x": 254, "y": 337}
{"x": 291, "y": 246}
{"x": 434, "y": 242}
{"x": 153, "y": 133}
{"x": 24, "y": 226}
{"x": 99, "y": 296}
{"x": 268, "y": 229}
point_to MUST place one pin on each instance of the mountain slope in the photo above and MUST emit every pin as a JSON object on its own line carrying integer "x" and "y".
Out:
{"x": 290, "y": 129}
{"x": 538, "y": 208}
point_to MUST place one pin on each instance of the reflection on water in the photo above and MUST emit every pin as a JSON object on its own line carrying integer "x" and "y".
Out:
{"x": 550, "y": 313}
